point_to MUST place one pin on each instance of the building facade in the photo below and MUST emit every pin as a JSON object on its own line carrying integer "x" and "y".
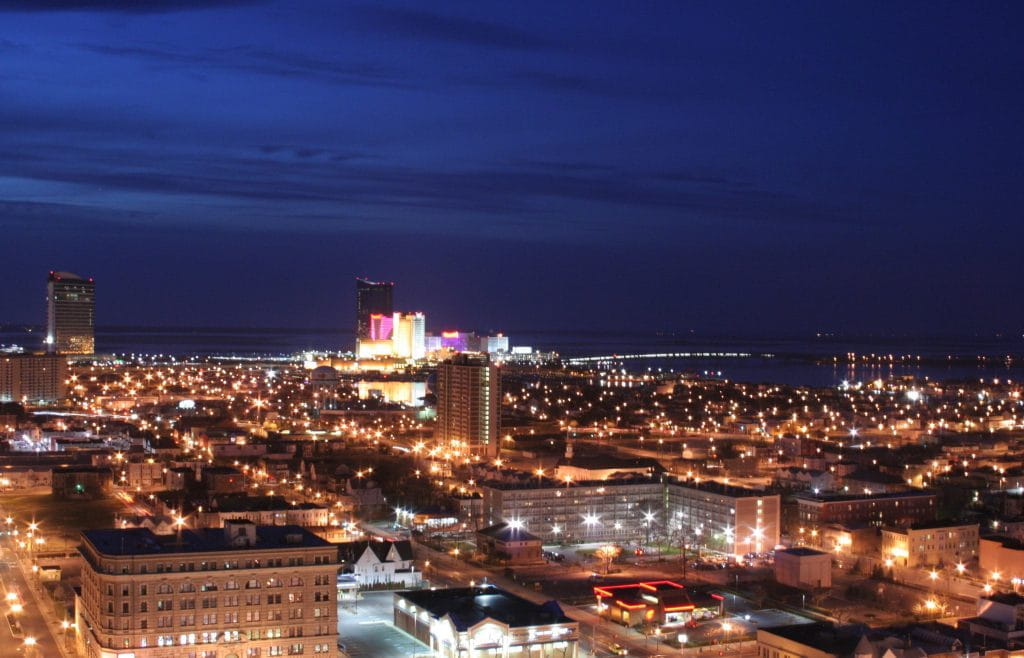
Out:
{"x": 70, "y": 314}
{"x": 803, "y": 568}
{"x": 730, "y": 520}
{"x": 469, "y": 405}
{"x": 485, "y": 621}
{"x": 372, "y": 298}
{"x": 33, "y": 378}
{"x": 930, "y": 544}
{"x": 245, "y": 591}
{"x": 896, "y": 509}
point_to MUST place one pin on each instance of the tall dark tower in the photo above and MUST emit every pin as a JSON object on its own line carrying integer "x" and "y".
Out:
{"x": 70, "y": 314}
{"x": 372, "y": 298}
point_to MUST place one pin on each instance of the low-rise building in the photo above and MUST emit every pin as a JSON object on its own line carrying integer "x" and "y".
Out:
{"x": 485, "y": 621}
{"x": 509, "y": 544}
{"x": 803, "y": 567}
{"x": 999, "y": 622}
{"x": 81, "y": 481}
{"x": 659, "y": 603}
{"x": 223, "y": 480}
{"x": 1002, "y": 555}
{"x": 825, "y": 640}
{"x": 379, "y": 563}
{"x": 929, "y": 544}
{"x": 894, "y": 509}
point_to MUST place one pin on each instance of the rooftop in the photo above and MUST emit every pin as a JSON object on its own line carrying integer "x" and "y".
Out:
{"x": 467, "y": 606}
{"x": 935, "y": 525}
{"x": 801, "y": 551}
{"x": 607, "y": 462}
{"x": 845, "y": 497}
{"x": 824, "y": 636}
{"x": 507, "y": 532}
{"x": 1006, "y": 598}
{"x": 142, "y": 541}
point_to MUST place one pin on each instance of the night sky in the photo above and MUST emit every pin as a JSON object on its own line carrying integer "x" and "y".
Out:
{"x": 728, "y": 167}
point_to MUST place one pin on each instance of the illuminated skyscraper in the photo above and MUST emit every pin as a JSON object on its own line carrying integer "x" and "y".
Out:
{"x": 410, "y": 335}
{"x": 469, "y": 404}
{"x": 70, "y": 314}
{"x": 372, "y": 298}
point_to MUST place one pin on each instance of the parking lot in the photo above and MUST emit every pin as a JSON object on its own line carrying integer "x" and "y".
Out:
{"x": 365, "y": 629}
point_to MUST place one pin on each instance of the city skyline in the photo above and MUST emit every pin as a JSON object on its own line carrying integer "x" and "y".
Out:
{"x": 689, "y": 162}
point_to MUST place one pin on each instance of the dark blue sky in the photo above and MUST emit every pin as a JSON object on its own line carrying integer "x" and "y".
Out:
{"x": 729, "y": 167}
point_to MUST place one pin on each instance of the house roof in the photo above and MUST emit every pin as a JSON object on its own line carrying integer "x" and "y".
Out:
{"x": 353, "y": 550}
{"x": 506, "y": 532}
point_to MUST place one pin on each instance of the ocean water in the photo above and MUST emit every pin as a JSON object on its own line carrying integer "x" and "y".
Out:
{"x": 787, "y": 360}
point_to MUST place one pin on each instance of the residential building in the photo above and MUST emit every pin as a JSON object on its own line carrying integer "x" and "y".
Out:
{"x": 725, "y": 518}
{"x": 1001, "y": 556}
{"x": 485, "y": 621}
{"x": 243, "y": 590}
{"x": 33, "y": 378}
{"x": 930, "y": 544}
{"x": 895, "y": 509}
{"x": 81, "y": 481}
{"x": 825, "y": 640}
{"x": 223, "y": 480}
{"x": 718, "y": 517}
{"x": 469, "y": 404}
{"x": 70, "y": 314}
{"x": 999, "y": 622}
{"x": 510, "y": 544}
{"x": 377, "y": 564}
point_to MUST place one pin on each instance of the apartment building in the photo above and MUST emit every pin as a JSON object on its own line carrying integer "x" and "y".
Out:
{"x": 893, "y": 509}
{"x": 929, "y": 544}
{"x": 718, "y": 517}
{"x": 242, "y": 591}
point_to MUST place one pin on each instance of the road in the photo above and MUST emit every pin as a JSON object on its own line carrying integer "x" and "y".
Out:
{"x": 33, "y": 622}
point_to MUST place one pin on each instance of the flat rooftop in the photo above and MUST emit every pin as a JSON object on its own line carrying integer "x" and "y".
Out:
{"x": 801, "y": 551}
{"x": 849, "y": 497}
{"x": 142, "y": 541}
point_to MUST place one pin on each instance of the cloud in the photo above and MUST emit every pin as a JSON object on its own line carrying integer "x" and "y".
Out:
{"x": 119, "y": 6}
{"x": 296, "y": 181}
{"x": 425, "y": 25}
{"x": 260, "y": 61}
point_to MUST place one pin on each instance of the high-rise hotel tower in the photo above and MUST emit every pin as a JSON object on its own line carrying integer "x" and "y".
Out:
{"x": 70, "y": 314}
{"x": 372, "y": 298}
